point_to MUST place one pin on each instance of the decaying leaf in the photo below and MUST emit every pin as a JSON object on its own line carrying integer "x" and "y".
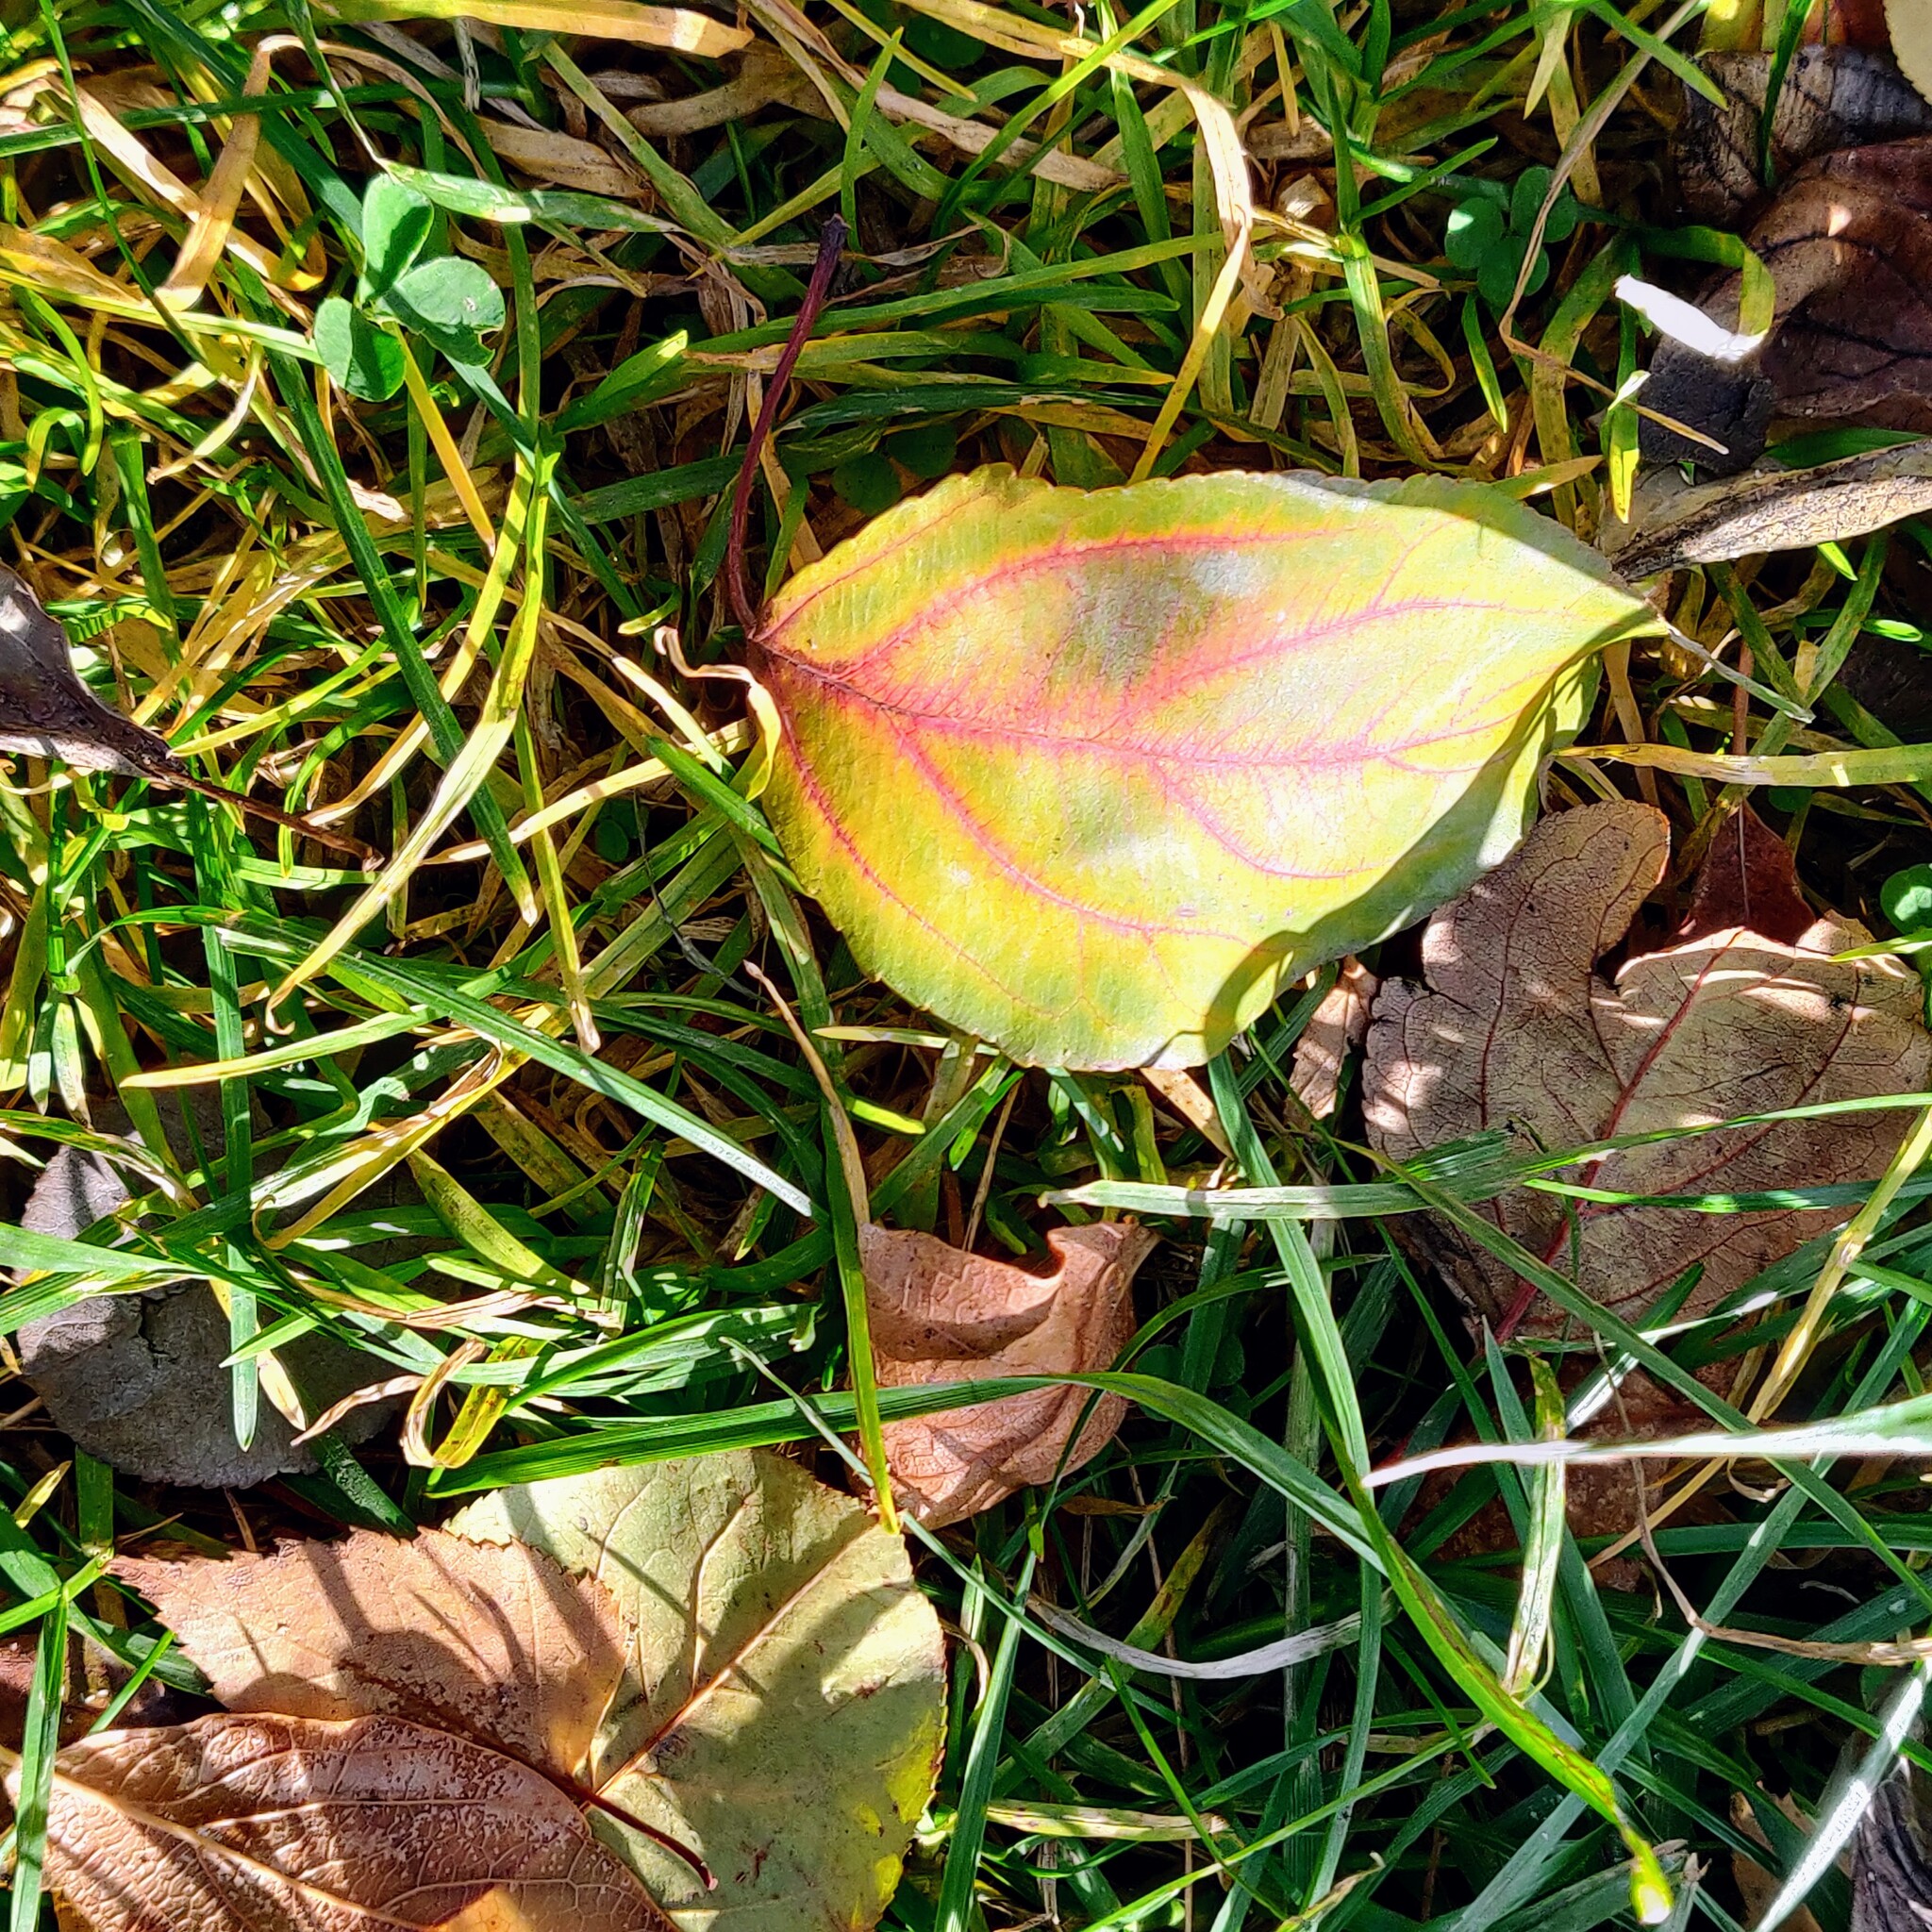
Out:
{"x": 1094, "y": 774}
{"x": 495, "y": 1643}
{"x": 1848, "y": 245}
{"x": 1832, "y": 97}
{"x": 782, "y": 1712}
{"x": 1335, "y": 1029}
{"x": 1514, "y": 1027}
{"x": 1891, "y": 1860}
{"x": 247, "y": 1824}
{"x": 46, "y": 710}
{"x": 1768, "y": 506}
{"x": 1750, "y": 880}
{"x": 140, "y": 1379}
{"x": 1909, "y": 25}
{"x": 939, "y": 1314}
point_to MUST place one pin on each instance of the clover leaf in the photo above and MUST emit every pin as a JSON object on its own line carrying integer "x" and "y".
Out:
{"x": 1489, "y": 239}
{"x": 447, "y": 300}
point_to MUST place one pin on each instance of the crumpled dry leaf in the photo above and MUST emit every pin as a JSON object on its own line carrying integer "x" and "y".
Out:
{"x": 1335, "y": 1029}
{"x": 1768, "y": 506}
{"x": 939, "y": 1314}
{"x": 496, "y": 1642}
{"x": 1832, "y": 97}
{"x": 1848, "y": 245}
{"x": 783, "y": 1710}
{"x": 1514, "y": 1027}
{"x": 257, "y": 1824}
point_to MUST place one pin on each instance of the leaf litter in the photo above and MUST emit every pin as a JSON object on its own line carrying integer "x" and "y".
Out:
{"x": 720, "y": 1664}
{"x": 1563, "y": 73}
{"x": 939, "y": 1314}
{"x": 1514, "y": 1024}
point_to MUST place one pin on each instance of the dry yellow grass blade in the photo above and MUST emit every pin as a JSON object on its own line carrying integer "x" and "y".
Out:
{"x": 53, "y": 268}
{"x": 132, "y": 161}
{"x": 676, "y": 29}
{"x": 214, "y": 225}
{"x": 521, "y": 541}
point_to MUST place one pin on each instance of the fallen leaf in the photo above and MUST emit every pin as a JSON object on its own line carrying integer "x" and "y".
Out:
{"x": 256, "y": 1823}
{"x": 1336, "y": 1027}
{"x": 1832, "y": 97}
{"x": 1514, "y": 1027}
{"x": 139, "y": 1379}
{"x": 1891, "y": 1873}
{"x": 1749, "y": 879}
{"x": 1909, "y": 25}
{"x": 783, "y": 1710}
{"x": 1094, "y": 775}
{"x": 1768, "y": 506}
{"x": 44, "y": 708}
{"x": 939, "y": 1314}
{"x": 495, "y": 1643}
{"x": 46, "y": 711}
{"x": 1848, "y": 245}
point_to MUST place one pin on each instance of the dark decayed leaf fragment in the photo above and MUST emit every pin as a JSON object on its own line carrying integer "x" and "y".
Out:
{"x": 1832, "y": 99}
{"x": 1768, "y": 506}
{"x": 46, "y": 711}
{"x": 1848, "y": 245}
{"x": 1891, "y": 1860}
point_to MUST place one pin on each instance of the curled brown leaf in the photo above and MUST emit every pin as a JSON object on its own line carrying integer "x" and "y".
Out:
{"x": 1848, "y": 245}
{"x": 1832, "y": 97}
{"x": 939, "y": 1314}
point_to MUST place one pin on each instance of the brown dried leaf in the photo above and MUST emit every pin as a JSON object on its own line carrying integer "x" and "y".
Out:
{"x": 289, "y": 1825}
{"x": 1749, "y": 879}
{"x": 1515, "y": 1028}
{"x": 1908, "y": 25}
{"x": 939, "y": 1314}
{"x": 1848, "y": 243}
{"x": 1767, "y": 507}
{"x": 1832, "y": 99}
{"x": 1335, "y": 1029}
{"x": 495, "y": 1643}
